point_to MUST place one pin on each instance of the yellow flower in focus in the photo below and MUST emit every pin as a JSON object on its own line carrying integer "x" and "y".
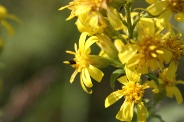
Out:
{"x": 168, "y": 80}
{"x": 166, "y": 8}
{"x": 148, "y": 53}
{"x": 4, "y": 15}
{"x": 81, "y": 63}
{"x": 133, "y": 92}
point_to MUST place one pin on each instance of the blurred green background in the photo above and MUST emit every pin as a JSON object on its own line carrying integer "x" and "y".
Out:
{"x": 34, "y": 81}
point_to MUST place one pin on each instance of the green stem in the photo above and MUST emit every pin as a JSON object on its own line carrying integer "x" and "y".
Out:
{"x": 128, "y": 8}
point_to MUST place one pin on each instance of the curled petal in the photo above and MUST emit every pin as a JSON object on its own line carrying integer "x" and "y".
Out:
{"x": 86, "y": 78}
{"x": 84, "y": 87}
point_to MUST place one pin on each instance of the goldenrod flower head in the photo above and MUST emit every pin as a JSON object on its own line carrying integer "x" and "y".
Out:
{"x": 151, "y": 55}
{"x": 81, "y": 63}
{"x": 168, "y": 79}
{"x": 166, "y": 8}
{"x": 175, "y": 44}
{"x": 79, "y": 7}
{"x": 148, "y": 52}
{"x": 133, "y": 92}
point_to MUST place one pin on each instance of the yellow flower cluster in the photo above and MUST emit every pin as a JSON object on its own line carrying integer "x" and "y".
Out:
{"x": 142, "y": 44}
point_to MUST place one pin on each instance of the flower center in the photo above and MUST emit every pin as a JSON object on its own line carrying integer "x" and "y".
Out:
{"x": 79, "y": 62}
{"x": 150, "y": 48}
{"x": 133, "y": 91}
{"x": 176, "y": 5}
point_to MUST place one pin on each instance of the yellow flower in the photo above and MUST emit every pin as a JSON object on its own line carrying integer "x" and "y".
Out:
{"x": 166, "y": 8}
{"x": 93, "y": 15}
{"x": 92, "y": 23}
{"x": 83, "y": 63}
{"x": 5, "y": 15}
{"x": 147, "y": 53}
{"x": 175, "y": 44}
{"x": 89, "y": 15}
{"x": 167, "y": 80}
{"x": 133, "y": 92}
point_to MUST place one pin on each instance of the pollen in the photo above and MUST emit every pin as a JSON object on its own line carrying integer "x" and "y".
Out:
{"x": 150, "y": 48}
{"x": 133, "y": 91}
{"x": 176, "y": 5}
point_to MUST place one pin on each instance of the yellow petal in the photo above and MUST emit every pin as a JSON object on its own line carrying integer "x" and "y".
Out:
{"x": 82, "y": 40}
{"x": 113, "y": 97}
{"x": 127, "y": 53}
{"x": 157, "y": 8}
{"x": 178, "y": 95}
{"x": 123, "y": 79}
{"x": 172, "y": 70}
{"x": 141, "y": 112}
{"x": 132, "y": 76}
{"x": 126, "y": 111}
{"x": 84, "y": 87}
{"x": 179, "y": 17}
{"x": 114, "y": 18}
{"x": 90, "y": 41}
{"x": 82, "y": 28}
{"x": 151, "y": 1}
{"x": 86, "y": 78}
{"x": 73, "y": 76}
{"x": 179, "y": 82}
{"x": 170, "y": 91}
{"x": 95, "y": 73}
{"x": 82, "y": 9}
{"x": 146, "y": 26}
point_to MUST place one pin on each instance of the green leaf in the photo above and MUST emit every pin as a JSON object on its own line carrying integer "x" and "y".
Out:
{"x": 153, "y": 77}
{"x": 115, "y": 75}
